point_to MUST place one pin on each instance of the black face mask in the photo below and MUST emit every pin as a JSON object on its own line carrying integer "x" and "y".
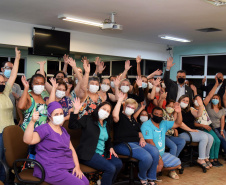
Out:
{"x": 219, "y": 80}
{"x": 157, "y": 119}
{"x": 2, "y": 87}
{"x": 181, "y": 80}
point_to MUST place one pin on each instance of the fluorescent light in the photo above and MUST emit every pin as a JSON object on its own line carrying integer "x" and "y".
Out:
{"x": 167, "y": 37}
{"x": 77, "y": 20}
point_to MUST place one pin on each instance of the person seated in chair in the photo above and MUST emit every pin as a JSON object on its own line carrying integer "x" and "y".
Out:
{"x": 54, "y": 150}
{"x": 154, "y": 131}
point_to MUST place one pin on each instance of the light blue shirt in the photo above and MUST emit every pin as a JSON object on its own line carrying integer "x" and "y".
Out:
{"x": 181, "y": 91}
{"x": 150, "y": 131}
{"x": 102, "y": 138}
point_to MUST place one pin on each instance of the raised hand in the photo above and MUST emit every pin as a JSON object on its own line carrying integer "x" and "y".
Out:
{"x": 117, "y": 81}
{"x": 77, "y": 105}
{"x": 138, "y": 59}
{"x": 86, "y": 66}
{"x": 199, "y": 101}
{"x": 24, "y": 82}
{"x": 71, "y": 62}
{"x": 53, "y": 82}
{"x": 127, "y": 65}
{"x": 170, "y": 63}
{"x": 177, "y": 107}
{"x": 139, "y": 81}
{"x": 97, "y": 61}
{"x": 41, "y": 63}
{"x": 18, "y": 53}
{"x": 156, "y": 82}
{"x": 121, "y": 97}
{"x": 163, "y": 95}
{"x": 193, "y": 87}
{"x": 203, "y": 80}
{"x": 101, "y": 67}
{"x": 66, "y": 57}
{"x": 35, "y": 115}
{"x": 158, "y": 72}
{"x": 84, "y": 59}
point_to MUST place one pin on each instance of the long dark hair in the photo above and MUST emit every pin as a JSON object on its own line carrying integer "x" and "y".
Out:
{"x": 95, "y": 116}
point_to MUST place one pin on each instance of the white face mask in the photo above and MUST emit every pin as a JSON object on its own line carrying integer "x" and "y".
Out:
{"x": 93, "y": 88}
{"x": 76, "y": 81}
{"x": 105, "y": 87}
{"x": 58, "y": 120}
{"x": 143, "y": 118}
{"x": 103, "y": 114}
{"x": 129, "y": 111}
{"x": 196, "y": 103}
{"x": 112, "y": 84}
{"x": 183, "y": 105}
{"x": 150, "y": 85}
{"x": 163, "y": 85}
{"x": 38, "y": 89}
{"x": 60, "y": 94}
{"x": 169, "y": 110}
{"x": 157, "y": 89}
{"x": 124, "y": 89}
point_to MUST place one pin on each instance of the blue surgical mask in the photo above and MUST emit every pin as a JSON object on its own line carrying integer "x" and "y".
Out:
{"x": 215, "y": 101}
{"x": 7, "y": 73}
{"x": 144, "y": 85}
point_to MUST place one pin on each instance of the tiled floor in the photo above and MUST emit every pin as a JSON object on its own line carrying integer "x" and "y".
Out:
{"x": 195, "y": 176}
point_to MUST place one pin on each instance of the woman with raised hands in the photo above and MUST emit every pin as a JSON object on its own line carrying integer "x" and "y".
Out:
{"x": 58, "y": 94}
{"x": 54, "y": 149}
{"x": 127, "y": 129}
{"x": 6, "y": 106}
{"x": 95, "y": 148}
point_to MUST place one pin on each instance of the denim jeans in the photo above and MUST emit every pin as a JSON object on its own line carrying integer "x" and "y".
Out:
{"x": 110, "y": 167}
{"x": 205, "y": 142}
{"x": 2, "y": 158}
{"x": 175, "y": 144}
{"x": 148, "y": 157}
{"x": 223, "y": 140}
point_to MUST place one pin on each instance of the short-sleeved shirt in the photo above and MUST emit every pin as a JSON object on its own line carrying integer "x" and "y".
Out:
{"x": 15, "y": 89}
{"x": 126, "y": 130}
{"x": 41, "y": 108}
{"x": 204, "y": 119}
{"x": 150, "y": 131}
{"x": 215, "y": 116}
{"x": 6, "y": 108}
{"x": 103, "y": 137}
{"x": 53, "y": 152}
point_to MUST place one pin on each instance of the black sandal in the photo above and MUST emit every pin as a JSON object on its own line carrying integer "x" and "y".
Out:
{"x": 151, "y": 182}
{"x": 204, "y": 165}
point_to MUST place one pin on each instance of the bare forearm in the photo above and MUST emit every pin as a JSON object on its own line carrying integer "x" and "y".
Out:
{"x": 29, "y": 132}
{"x": 179, "y": 119}
{"x": 138, "y": 69}
{"x": 65, "y": 68}
{"x": 52, "y": 96}
{"x": 85, "y": 81}
{"x": 116, "y": 111}
{"x": 75, "y": 157}
{"x": 185, "y": 127}
{"x": 14, "y": 72}
{"x": 23, "y": 101}
{"x": 123, "y": 75}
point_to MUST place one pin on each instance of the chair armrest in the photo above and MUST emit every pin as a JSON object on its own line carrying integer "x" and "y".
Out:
{"x": 6, "y": 170}
{"x": 33, "y": 161}
{"x": 190, "y": 136}
{"x": 130, "y": 149}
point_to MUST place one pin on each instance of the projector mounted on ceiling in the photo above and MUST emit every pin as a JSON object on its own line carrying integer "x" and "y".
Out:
{"x": 217, "y": 2}
{"x": 110, "y": 24}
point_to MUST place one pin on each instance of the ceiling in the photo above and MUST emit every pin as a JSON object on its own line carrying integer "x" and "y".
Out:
{"x": 142, "y": 20}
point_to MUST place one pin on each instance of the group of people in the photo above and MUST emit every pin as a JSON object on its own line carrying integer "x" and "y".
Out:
{"x": 149, "y": 115}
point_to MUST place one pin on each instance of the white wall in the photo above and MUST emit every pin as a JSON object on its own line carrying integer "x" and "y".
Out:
{"x": 20, "y": 34}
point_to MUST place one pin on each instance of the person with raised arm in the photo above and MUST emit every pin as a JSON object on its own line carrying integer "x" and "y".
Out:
{"x": 6, "y": 106}
{"x": 54, "y": 149}
{"x": 176, "y": 89}
{"x": 127, "y": 129}
{"x": 95, "y": 148}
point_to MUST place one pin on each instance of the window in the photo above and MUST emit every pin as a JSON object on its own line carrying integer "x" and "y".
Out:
{"x": 193, "y": 65}
{"x": 216, "y": 63}
{"x": 69, "y": 68}
{"x": 118, "y": 67}
{"x": 152, "y": 65}
{"x": 197, "y": 83}
{"x": 52, "y": 67}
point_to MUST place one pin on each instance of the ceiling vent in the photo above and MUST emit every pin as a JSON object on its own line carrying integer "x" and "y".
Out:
{"x": 207, "y": 30}
{"x": 216, "y": 2}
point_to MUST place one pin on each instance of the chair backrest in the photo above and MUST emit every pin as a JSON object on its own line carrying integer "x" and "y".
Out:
{"x": 74, "y": 134}
{"x": 14, "y": 146}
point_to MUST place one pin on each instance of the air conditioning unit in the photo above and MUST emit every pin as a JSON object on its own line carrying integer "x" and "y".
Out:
{"x": 216, "y": 2}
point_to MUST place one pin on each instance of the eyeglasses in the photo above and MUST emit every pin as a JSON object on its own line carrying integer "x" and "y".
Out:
{"x": 130, "y": 107}
{"x": 7, "y": 67}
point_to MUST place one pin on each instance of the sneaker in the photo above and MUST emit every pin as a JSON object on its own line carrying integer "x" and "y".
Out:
{"x": 218, "y": 163}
